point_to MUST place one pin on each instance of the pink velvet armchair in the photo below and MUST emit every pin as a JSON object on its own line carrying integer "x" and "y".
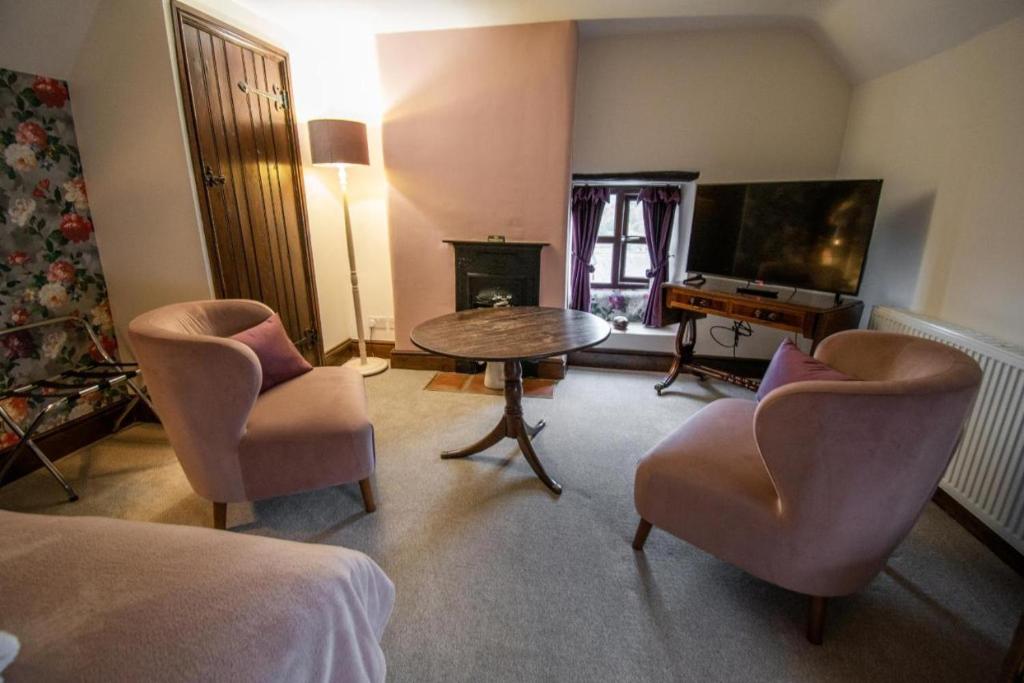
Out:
{"x": 234, "y": 443}
{"x": 813, "y": 488}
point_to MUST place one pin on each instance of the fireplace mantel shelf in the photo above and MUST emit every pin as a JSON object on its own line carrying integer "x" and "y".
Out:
{"x": 499, "y": 244}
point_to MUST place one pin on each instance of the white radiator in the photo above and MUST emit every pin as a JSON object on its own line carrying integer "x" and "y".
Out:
{"x": 986, "y": 475}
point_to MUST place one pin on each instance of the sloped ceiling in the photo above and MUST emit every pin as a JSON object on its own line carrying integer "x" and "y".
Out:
{"x": 43, "y": 36}
{"x": 874, "y": 37}
{"x": 867, "y": 38}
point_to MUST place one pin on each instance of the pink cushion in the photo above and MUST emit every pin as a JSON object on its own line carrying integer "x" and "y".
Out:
{"x": 790, "y": 364}
{"x": 279, "y": 359}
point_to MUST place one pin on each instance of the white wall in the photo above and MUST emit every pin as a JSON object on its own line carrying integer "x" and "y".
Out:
{"x": 734, "y": 104}
{"x": 946, "y": 135}
{"x": 135, "y": 153}
{"x": 135, "y": 158}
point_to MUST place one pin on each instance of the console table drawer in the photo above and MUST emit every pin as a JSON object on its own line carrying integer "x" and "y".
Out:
{"x": 697, "y": 302}
{"x": 769, "y": 315}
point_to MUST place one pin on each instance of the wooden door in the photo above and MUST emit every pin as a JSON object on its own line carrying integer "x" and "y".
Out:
{"x": 247, "y": 171}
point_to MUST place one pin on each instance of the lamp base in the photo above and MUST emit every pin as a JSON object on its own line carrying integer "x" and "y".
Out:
{"x": 372, "y": 366}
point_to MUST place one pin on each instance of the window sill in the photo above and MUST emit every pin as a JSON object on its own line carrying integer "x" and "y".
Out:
{"x": 639, "y": 338}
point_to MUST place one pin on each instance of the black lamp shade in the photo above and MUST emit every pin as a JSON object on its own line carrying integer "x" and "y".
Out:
{"x": 335, "y": 141}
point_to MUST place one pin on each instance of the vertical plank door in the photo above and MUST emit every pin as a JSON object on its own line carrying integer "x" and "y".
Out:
{"x": 247, "y": 171}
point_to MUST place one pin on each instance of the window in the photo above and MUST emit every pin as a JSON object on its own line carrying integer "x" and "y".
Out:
{"x": 620, "y": 258}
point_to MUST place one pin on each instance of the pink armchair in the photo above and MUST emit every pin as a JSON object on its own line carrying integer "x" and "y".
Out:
{"x": 812, "y": 488}
{"x": 234, "y": 443}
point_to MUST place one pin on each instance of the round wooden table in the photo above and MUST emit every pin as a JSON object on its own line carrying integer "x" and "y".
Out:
{"x": 510, "y": 335}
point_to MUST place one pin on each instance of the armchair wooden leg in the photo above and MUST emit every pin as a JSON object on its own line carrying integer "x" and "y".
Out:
{"x": 220, "y": 516}
{"x": 367, "y": 490}
{"x": 641, "y": 534}
{"x": 816, "y": 619}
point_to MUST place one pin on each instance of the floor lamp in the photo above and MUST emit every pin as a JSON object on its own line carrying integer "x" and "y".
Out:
{"x": 334, "y": 142}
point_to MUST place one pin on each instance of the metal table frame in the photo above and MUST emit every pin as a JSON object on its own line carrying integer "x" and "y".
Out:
{"x": 66, "y": 390}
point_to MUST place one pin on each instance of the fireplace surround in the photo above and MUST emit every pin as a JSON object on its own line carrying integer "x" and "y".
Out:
{"x": 490, "y": 272}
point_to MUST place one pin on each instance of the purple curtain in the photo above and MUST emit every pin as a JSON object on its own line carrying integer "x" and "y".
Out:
{"x": 659, "y": 211}
{"x": 587, "y": 207}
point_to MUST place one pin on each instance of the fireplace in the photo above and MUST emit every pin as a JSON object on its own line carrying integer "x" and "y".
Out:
{"x": 489, "y": 273}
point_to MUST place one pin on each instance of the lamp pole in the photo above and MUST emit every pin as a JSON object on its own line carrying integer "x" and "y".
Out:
{"x": 337, "y": 142}
{"x": 363, "y": 365}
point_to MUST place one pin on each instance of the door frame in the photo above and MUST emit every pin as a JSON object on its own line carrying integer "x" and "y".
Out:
{"x": 180, "y": 13}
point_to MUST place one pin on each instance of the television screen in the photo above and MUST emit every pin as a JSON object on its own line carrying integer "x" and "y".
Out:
{"x": 812, "y": 235}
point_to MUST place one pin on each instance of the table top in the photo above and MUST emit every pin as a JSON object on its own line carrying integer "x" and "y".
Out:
{"x": 511, "y": 333}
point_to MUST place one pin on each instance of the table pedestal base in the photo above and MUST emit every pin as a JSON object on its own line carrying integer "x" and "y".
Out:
{"x": 686, "y": 339}
{"x": 512, "y": 426}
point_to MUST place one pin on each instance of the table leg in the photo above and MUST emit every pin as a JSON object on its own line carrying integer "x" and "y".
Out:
{"x": 815, "y": 340}
{"x": 686, "y": 339}
{"x": 535, "y": 429}
{"x": 496, "y": 435}
{"x": 526, "y": 446}
{"x": 517, "y": 427}
{"x": 512, "y": 426}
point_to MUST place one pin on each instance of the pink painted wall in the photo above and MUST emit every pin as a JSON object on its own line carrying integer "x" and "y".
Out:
{"x": 477, "y": 133}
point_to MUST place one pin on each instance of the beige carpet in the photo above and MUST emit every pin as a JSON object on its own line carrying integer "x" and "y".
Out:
{"x": 499, "y": 580}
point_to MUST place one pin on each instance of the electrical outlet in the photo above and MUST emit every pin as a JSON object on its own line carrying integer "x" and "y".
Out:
{"x": 389, "y": 323}
{"x": 373, "y": 321}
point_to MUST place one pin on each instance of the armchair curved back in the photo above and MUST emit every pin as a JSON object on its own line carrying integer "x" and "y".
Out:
{"x": 203, "y": 384}
{"x": 854, "y": 463}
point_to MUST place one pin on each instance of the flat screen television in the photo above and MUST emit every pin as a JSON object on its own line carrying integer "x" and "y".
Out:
{"x": 811, "y": 235}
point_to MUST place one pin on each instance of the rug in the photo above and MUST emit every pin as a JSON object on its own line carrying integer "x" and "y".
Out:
{"x": 533, "y": 387}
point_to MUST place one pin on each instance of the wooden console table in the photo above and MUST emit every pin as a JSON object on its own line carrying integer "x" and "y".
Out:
{"x": 794, "y": 314}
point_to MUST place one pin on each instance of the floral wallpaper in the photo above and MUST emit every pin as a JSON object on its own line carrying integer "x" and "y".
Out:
{"x": 49, "y": 265}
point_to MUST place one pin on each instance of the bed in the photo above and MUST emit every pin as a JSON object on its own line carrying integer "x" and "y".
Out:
{"x": 111, "y": 600}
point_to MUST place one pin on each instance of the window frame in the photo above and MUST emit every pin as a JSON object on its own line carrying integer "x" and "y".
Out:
{"x": 619, "y": 239}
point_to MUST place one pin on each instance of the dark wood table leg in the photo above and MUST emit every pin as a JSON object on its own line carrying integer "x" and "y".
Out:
{"x": 815, "y": 340}
{"x": 517, "y": 427}
{"x": 526, "y": 446}
{"x": 512, "y": 426}
{"x": 816, "y": 619}
{"x": 686, "y": 339}
{"x": 535, "y": 429}
{"x": 496, "y": 435}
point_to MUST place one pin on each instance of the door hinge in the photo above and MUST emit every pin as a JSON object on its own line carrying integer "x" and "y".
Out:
{"x": 309, "y": 338}
{"x": 211, "y": 179}
{"x": 276, "y": 95}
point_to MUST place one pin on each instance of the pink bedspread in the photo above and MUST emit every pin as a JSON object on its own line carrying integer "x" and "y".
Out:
{"x": 105, "y": 600}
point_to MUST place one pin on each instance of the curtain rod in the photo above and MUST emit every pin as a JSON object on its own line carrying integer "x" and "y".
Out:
{"x": 634, "y": 176}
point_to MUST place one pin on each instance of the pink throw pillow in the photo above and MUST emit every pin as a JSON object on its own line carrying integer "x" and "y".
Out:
{"x": 790, "y": 364}
{"x": 279, "y": 359}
